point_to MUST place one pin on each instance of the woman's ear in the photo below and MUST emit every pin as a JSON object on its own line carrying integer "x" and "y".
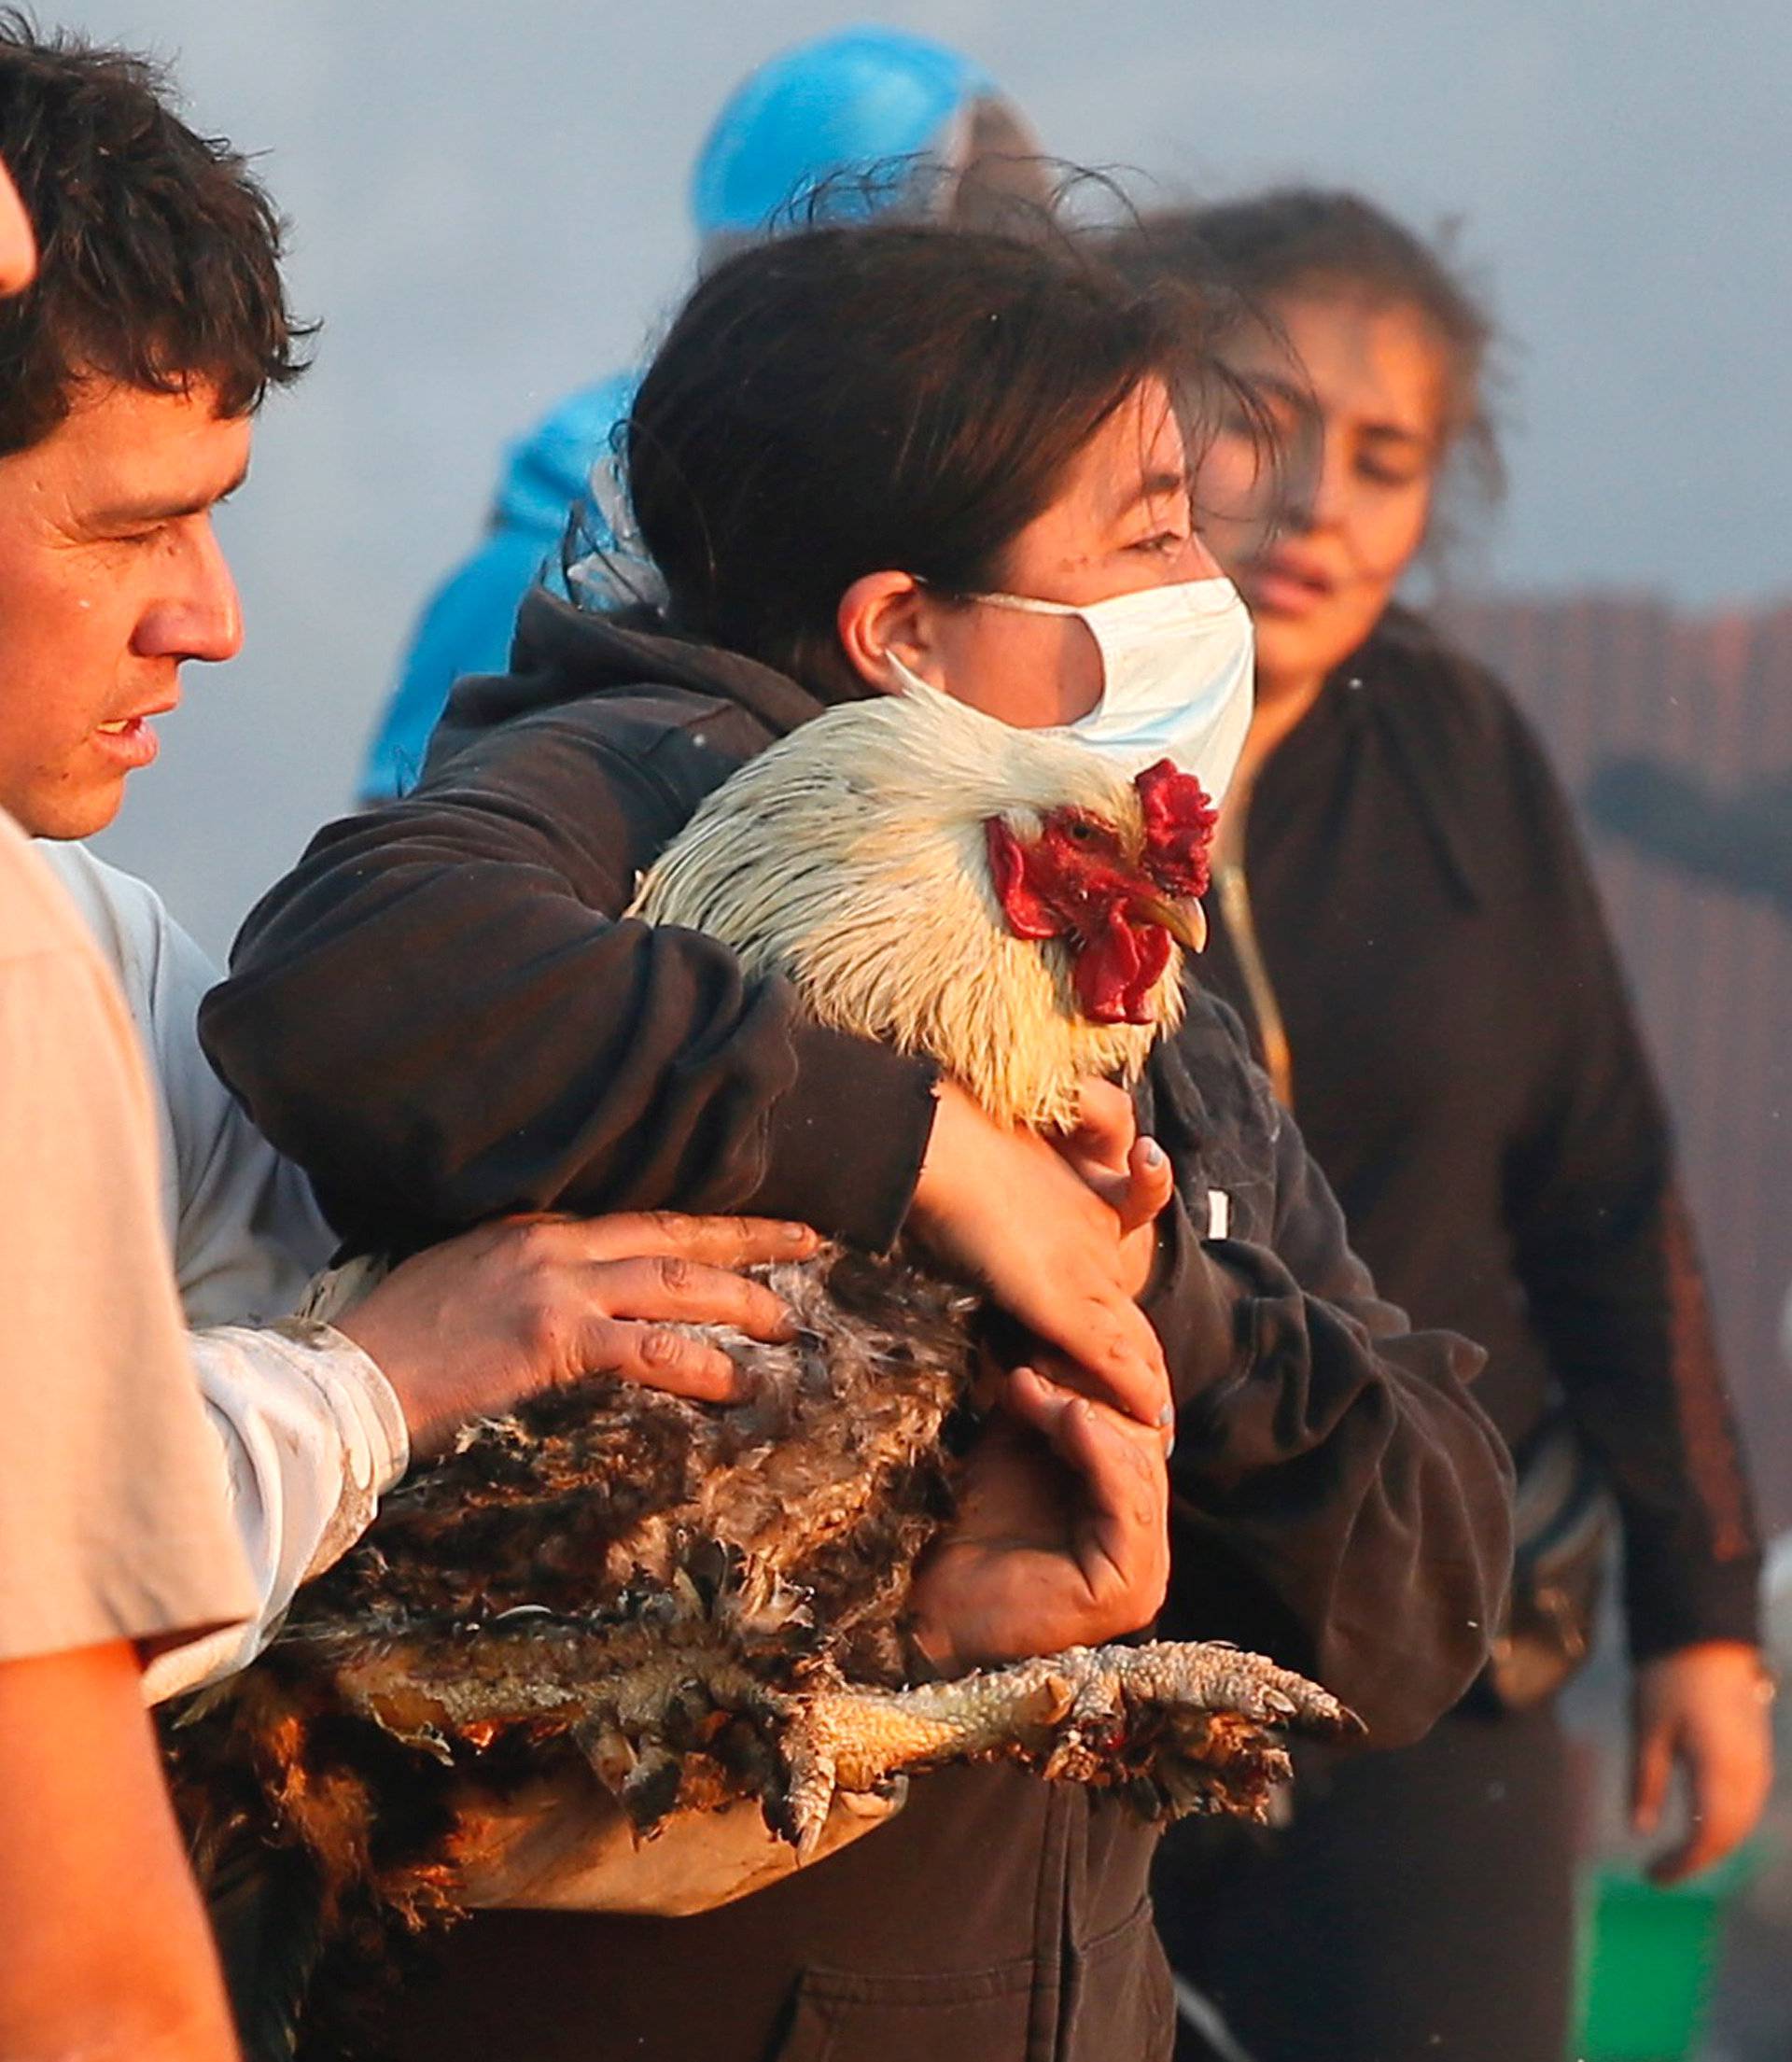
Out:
{"x": 885, "y": 615}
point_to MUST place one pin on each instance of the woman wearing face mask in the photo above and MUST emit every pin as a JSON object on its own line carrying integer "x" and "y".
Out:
{"x": 864, "y": 457}
{"x": 1407, "y": 925}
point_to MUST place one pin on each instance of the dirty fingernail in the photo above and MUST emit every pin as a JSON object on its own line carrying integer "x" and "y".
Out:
{"x": 1154, "y": 1154}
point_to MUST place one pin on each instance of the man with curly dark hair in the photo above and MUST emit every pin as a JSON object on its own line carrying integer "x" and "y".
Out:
{"x": 129, "y": 375}
{"x": 139, "y": 1462}
{"x": 141, "y": 325}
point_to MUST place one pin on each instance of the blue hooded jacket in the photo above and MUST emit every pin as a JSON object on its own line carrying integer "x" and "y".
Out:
{"x": 846, "y": 103}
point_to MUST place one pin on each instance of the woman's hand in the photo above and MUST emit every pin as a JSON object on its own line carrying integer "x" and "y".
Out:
{"x": 1708, "y": 1708}
{"x": 1131, "y": 1174}
{"x": 1010, "y": 1212}
{"x": 472, "y": 1326}
{"x": 1062, "y": 1535}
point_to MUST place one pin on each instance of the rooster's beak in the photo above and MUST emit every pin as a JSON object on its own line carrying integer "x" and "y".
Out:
{"x": 1185, "y": 922}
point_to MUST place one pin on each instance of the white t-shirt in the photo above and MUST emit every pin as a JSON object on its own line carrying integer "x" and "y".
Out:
{"x": 308, "y": 1431}
{"x": 114, "y": 1523}
{"x": 245, "y": 1230}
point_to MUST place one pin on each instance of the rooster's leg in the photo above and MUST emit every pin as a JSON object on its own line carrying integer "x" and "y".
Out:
{"x": 1180, "y": 1725}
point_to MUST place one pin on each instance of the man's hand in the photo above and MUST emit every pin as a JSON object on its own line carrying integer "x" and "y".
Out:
{"x": 1008, "y": 1210}
{"x": 472, "y": 1326}
{"x": 1063, "y": 1536}
{"x": 1707, "y": 1708}
{"x": 1131, "y": 1176}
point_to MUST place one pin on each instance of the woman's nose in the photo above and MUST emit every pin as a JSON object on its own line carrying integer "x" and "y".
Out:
{"x": 1317, "y": 484}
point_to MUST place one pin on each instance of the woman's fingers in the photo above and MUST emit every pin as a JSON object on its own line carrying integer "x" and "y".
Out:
{"x": 1651, "y": 1771}
{"x": 1122, "y": 1543}
{"x": 1138, "y": 1192}
{"x": 1009, "y": 1213}
{"x": 1111, "y": 1341}
{"x": 1702, "y": 1711}
{"x": 1130, "y": 1174}
{"x": 1066, "y": 1377}
{"x": 1105, "y": 1127}
{"x": 1121, "y": 1463}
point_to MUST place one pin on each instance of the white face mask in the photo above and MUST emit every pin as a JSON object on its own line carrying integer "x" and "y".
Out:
{"x": 1177, "y": 666}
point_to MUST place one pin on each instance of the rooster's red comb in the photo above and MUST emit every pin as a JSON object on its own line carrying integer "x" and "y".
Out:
{"x": 1179, "y": 828}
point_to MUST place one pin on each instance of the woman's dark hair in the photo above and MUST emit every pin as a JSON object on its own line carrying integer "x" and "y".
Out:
{"x": 1295, "y": 239}
{"x": 883, "y": 395}
{"x": 159, "y": 251}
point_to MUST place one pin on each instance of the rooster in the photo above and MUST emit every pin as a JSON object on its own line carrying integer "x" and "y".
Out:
{"x": 696, "y": 1605}
{"x": 1004, "y": 902}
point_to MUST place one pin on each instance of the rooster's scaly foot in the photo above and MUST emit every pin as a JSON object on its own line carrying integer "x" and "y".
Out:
{"x": 1180, "y": 1725}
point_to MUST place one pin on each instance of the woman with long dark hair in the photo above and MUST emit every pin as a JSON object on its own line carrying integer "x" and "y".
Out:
{"x": 862, "y": 457}
{"x": 1405, "y": 922}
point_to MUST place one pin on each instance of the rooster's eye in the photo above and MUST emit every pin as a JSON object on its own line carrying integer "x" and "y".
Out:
{"x": 1079, "y": 833}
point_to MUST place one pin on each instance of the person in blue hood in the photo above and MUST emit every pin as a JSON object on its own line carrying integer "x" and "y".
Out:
{"x": 858, "y": 101}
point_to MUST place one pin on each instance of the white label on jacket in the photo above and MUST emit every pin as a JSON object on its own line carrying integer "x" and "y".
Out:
{"x": 1219, "y": 1213}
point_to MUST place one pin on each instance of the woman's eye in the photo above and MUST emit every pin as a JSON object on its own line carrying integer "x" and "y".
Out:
{"x": 1165, "y": 543}
{"x": 1383, "y": 476}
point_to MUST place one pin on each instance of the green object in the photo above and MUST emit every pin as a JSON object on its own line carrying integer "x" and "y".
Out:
{"x": 1647, "y": 1962}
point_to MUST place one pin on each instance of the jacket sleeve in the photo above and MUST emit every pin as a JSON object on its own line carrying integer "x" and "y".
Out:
{"x": 1605, "y": 1252}
{"x": 1337, "y": 1499}
{"x": 440, "y": 1017}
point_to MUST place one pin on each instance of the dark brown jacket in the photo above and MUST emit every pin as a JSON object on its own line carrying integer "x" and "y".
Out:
{"x": 439, "y": 1014}
{"x": 1467, "y": 1070}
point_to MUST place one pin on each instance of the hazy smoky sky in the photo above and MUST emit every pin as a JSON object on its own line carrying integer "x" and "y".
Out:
{"x": 488, "y": 207}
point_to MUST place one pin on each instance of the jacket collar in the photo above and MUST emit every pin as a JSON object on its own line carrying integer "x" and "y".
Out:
{"x": 563, "y": 653}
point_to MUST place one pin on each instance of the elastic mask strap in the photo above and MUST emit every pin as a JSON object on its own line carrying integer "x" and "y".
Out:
{"x": 1027, "y": 605}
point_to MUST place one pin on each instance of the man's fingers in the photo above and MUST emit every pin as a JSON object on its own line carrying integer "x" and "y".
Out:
{"x": 737, "y": 1241}
{"x": 660, "y": 1359}
{"x": 672, "y": 1287}
{"x": 716, "y": 1241}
